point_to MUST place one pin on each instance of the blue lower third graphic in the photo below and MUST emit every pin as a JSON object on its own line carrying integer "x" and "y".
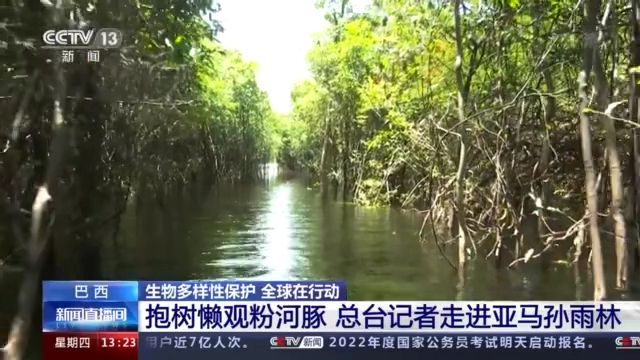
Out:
{"x": 372, "y": 346}
{"x": 89, "y": 316}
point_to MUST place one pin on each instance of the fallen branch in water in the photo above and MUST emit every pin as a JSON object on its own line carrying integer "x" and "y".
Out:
{"x": 576, "y": 228}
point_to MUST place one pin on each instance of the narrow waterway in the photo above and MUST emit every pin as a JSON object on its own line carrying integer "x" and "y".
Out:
{"x": 281, "y": 229}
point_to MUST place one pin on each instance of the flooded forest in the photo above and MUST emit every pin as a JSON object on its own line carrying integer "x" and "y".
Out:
{"x": 509, "y": 128}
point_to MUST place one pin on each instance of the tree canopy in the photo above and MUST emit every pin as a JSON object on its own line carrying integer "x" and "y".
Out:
{"x": 479, "y": 115}
{"x": 172, "y": 108}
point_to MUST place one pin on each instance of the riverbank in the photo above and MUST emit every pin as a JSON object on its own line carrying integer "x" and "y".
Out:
{"x": 280, "y": 229}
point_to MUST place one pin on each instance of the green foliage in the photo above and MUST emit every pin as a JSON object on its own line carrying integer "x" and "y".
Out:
{"x": 221, "y": 88}
{"x": 373, "y": 75}
{"x": 383, "y": 95}
{"x": 171, "y": 108}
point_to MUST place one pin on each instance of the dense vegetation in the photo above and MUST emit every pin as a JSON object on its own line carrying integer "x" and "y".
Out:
{"x": 171, "y": 108}
{"x": 479, "y": 115}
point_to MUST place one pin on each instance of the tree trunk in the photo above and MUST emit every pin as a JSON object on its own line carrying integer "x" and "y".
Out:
{"x": 463, "y": 232}
{"x": 599, "y": 287}
{"x": 325, "y": 160}
{"x": 634, "y": 109}
{"x": 549, "y": 110}
{"x": 601, "y": 89}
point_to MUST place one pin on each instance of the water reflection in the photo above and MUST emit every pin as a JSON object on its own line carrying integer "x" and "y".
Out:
{"x": 263, "y": 247}
{"x": 280, "y": 229}
{"x": 277, "y": 249}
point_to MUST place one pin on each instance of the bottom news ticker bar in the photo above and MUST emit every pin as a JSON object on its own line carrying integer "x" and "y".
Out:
{"x": 89, "y": 345}
{"x": 373, "y": 346}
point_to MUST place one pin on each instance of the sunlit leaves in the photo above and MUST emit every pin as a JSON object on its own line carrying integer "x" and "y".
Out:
{"x": 373, "y": 75}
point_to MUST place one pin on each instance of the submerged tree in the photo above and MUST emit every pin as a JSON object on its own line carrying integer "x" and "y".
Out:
{"x": 171, "y": 108}
{"x": 599, "y": 288}
{"x": 463, "y": 232}
{"x": 396, "y": 112}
